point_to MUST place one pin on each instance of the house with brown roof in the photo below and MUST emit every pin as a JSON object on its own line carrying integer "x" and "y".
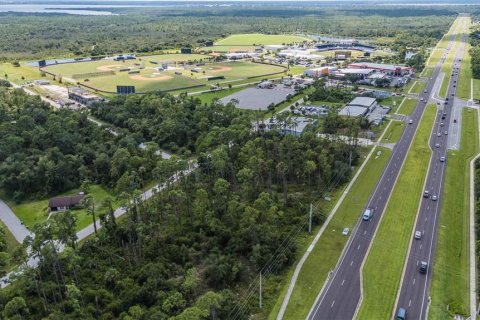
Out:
{"x": 64, "y": 203}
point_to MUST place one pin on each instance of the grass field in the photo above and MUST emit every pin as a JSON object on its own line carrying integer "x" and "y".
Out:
{"x": 394, "y": 132}
{"x": 33, "y": 212}
{"x": 451, "y": 281}
{"x": 208, "y": 97}
{"x": 15, "y": 74}
{"x": 324, "y": 256}
{"x": 148, "y": 78}
{"x": 223, "y": 49}
{"x": 465, "y": 76}
{"x": 407, "y": 106}
{"x": 251, "y": 39}
{"x": 418, "y": 87}
{"x": 384, "y": 264}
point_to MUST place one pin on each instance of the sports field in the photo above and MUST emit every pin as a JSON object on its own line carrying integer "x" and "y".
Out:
{"x": 227, "y": 49}
{"x": 251, "y": 39}
{"x": 160, "y": 72}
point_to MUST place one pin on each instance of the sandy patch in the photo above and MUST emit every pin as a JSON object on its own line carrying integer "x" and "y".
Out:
{"x": 143, "y": 78}
{"x": 221, "y": 69}
{"x": 110, "y": 67}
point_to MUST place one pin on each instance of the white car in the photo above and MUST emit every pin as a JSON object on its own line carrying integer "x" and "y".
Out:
{"x": 442, "y": 159}
{"x": 434, "y": 198}
{"x": 345, "y": 231}
{"x": 418, "y": 235}
{"x": 437, "y": 145}
{"x": 410, "y": 121}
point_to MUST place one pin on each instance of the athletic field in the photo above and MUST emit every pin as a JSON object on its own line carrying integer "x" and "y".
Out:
{"x": 251, "y": 39}
{"x": 161, "y": 72}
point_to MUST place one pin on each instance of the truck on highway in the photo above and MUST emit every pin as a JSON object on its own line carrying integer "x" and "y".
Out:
{"x": 367, "y": 214}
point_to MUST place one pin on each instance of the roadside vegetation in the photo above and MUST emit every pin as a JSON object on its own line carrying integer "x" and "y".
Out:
{"x": 9, "y": 250}
{"x": 327, "y": 251}
{"x": 451, "y": 269}
{"x": 394, "y": 132}
{"x": 407, "y": 106}
{"x": 385, "y": 261}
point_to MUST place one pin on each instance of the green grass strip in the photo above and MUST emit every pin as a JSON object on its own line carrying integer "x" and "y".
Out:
{"x": 451, "y": 277}
{"x": 394, "y": 132}
{"x": 407, "y": 107}
{"x": 328, "y": 249}
{"x": 384, "y": 264}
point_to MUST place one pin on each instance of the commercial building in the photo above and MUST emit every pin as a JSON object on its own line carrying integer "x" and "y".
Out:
{"x": 359, "y": 106}
{"x": 390, "y": 69}
{"x": 363, "y": 73}
{"x": 316, "y": 72}
{"x": 83, "y": 96}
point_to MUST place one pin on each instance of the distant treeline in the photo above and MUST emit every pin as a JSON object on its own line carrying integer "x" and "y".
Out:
{"x": 141, "y": 30}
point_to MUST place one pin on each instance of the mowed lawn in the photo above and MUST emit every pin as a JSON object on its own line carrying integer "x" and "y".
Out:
{"x": 237, "y": 70}
{"x": 227, "y": 48}
{"x": 451, "y": 281}
{"x": 407, "y": 106}
{"x": 394, "y": 132}
{"x": 327, "y": 251}
{"x": 70, "y": 69}
{"x": 33, "y": 212}
{"x": 15, "y": 74}
{"x": 418, "y": 87}
{"x": 385, "y": 261}
{"x": 251, "y": 39}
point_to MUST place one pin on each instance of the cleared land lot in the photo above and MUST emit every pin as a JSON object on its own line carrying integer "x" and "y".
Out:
{"x": 384, "y": 264}
{"x": 451, "y": 281}
{"x": 325, "y": 254}
{"x": 251, "y": 39}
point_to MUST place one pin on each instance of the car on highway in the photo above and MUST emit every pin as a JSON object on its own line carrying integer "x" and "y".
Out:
{"x": 437, "y": 145}
{"x": 445, "y": 132}
{"x": 434, "y": 198}
{"x": 454, "y": 120}
{"x": 418, "y": 235}
{"x": 410, "y": 121}
{"x": 425, "y": 91}
{"x": 426, "y": 194}
{"x": 367, "y": 214}
{"x": 401, "y": 314}
{"x": 439, "y": 134}
{"x": 442, "y": 159}
{"x": 441, "y": 124}
{"x": 423, "y": 266}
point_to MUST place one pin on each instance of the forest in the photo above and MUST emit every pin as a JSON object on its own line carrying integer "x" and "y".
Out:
{"x": 188, "y": 252}
{"x": 142, "y": 30}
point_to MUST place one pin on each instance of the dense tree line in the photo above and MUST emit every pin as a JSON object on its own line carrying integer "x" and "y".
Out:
{"x": 188, "y": 252}
{"x": 45, "y": 153}
{"x": 181, "y": 124}
{"x": 142, "y": 30}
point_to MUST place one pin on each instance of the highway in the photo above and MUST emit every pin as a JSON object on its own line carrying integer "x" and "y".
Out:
{"x": 340, "y": 296}
{"x": 414, "y": 293}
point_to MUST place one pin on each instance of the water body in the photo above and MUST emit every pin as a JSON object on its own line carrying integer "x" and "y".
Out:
{"x": 58, "y": 8}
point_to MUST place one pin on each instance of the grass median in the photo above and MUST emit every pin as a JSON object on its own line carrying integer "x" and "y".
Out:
{"x": 418, "y": 87}
{"x": 328, "y": 249}
{"x": 451, "y": 280}
{"x": 384, "y": 264}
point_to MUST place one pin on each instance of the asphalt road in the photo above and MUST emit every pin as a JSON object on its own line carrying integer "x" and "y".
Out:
{"x": 414, "y": 293}
{"x": 341, "y": 295}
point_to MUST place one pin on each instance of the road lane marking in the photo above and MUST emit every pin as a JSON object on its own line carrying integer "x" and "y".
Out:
{"x": 343, "y": 281}
{"x": 351, "y": 263}
{"x": 365, "y": 232}
{"x": 332, "y": 304}
{"x": 409, "y": 303}
{"x": 358, "y": 247}
{"x": 413, "y": 281}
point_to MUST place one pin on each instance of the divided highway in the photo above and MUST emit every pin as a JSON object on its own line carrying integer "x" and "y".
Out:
{"x": 414, "y": 294}
{"x": 340, "y": 296}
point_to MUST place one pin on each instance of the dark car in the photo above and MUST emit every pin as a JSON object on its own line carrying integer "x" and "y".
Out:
{"x": 423, "y": 267}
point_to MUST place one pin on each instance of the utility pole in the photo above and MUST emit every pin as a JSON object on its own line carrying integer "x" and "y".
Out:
{"x": 310, "y": 219}
{"x": 260, "y": 291}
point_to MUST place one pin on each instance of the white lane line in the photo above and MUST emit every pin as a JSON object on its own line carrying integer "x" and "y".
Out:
{"x": 409, "y": 303}
{"x": 351, "y": 263}
{"x": 420, "y": 247}
{"x": 343, "y": 281}
{"x": 332, "y": 304}
{"x": 365, "y": 232}
{"x": 358, "y": 247}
